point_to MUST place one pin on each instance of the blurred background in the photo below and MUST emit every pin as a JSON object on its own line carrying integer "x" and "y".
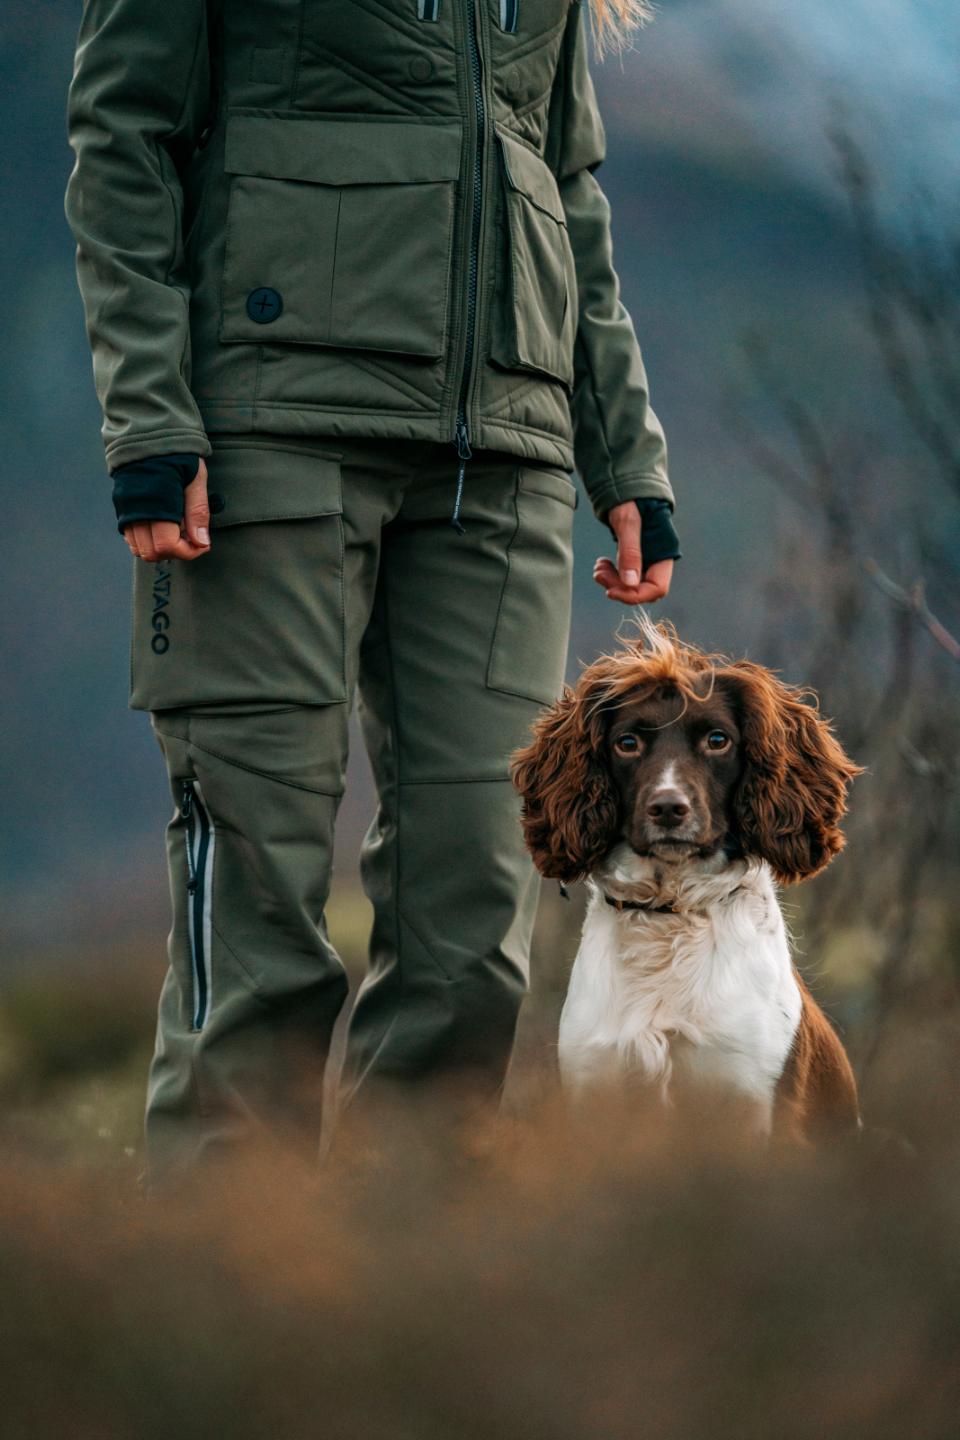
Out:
{"x": 785, "y": 184}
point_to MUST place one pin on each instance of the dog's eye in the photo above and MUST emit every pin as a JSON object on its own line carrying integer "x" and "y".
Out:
{"x": 717, "y": 740}
{"x": 628, "y": 744}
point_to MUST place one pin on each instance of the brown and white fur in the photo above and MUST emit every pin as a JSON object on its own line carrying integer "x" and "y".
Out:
{"x": 685, "y": 787}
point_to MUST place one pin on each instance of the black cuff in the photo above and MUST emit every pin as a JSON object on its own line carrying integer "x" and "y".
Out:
{"x": 152, "y": 489}
{"x": 658, "y": 538}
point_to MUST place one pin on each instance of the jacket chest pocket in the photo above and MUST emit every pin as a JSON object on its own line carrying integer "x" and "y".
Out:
{"x": 261, "y": 617}
{"x": 535, "y": 321}
{"x": 339, "y": 232}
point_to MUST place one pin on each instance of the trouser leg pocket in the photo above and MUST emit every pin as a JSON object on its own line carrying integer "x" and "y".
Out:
{"x": 529, "y": 645}
{"x": 261, "y": 616}
{"x": 255, "y": 986}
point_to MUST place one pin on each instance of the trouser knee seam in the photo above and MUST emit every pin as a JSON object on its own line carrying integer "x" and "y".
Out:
{"x": 265, "y": 774}
{"x": 255, "y": 983}
{"x": 420, "y": 941}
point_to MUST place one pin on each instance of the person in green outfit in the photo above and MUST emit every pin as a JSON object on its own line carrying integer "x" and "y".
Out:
{"x": 349, "y": 288}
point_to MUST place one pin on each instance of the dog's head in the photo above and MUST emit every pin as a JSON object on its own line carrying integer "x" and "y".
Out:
{"x": 681, "y": 755}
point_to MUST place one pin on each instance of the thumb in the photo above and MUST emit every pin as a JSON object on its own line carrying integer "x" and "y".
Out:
{"x": 628, "y": 544}
{"x": 196, "y": 508}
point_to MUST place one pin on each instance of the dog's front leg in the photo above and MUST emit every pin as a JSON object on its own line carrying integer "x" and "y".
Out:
{"x": 587, "y": 1045}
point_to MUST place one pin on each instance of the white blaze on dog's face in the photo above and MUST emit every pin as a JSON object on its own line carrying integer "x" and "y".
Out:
{"x": 676, "y": 765}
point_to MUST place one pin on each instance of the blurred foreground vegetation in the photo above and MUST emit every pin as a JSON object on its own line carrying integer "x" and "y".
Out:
{"x": 613, "y": 1276}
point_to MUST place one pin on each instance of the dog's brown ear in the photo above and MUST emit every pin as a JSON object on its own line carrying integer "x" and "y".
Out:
{"x": 570, "y": 808}
{"x": 792, "y": 794}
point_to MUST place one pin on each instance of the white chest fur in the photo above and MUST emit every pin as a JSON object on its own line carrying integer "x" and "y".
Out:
{"x": 708, "y": 993}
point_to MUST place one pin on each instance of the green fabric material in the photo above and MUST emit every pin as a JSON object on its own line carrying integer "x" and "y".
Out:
{"x": 452, "y": 643}
{"x": 274, "y": 230}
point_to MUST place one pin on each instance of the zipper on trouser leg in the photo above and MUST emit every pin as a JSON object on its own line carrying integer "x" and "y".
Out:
{"x": 201, "y": 841}
{"x": 461, "y": 437}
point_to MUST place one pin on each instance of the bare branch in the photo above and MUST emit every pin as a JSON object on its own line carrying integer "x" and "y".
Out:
{"x": 892, "y": 293}
{"x": 914, "y": 601}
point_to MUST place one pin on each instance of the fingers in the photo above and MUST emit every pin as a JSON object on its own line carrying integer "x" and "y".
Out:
{"x": 625, "y": 520}
{"x": 137, "y": 536}
{"x": 165, "y": 540}
{"x": 196, "y": 518}
{"x": 623, "y": 581}
{"x": 654, "y": 585}
{"x": 186, "y": 550}
{"x": 605, "y": 573}
{"x": 161, "y": 540}
{"x": 660, "y": 574}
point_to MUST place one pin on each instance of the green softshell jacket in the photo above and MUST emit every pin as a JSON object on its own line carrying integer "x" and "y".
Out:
{"x": 320, "y": 218}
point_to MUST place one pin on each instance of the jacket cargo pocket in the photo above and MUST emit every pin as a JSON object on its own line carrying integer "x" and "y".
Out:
{"x": 536, "y": 322}
{"x": 261, "y": 616}
{"x": 529, "y": 647}
{"x": 339, "y": 232}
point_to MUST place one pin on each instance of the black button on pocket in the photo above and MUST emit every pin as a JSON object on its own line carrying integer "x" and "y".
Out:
{"x": 216, "y": 503}
{"x": 264, "y": 305}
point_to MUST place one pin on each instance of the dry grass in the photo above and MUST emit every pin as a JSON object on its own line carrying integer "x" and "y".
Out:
{"x": 611, "y": 1275}
{"x": 557, "y": 1281}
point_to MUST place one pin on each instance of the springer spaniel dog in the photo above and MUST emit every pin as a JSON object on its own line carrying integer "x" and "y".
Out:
{"x": 684, "y": 786}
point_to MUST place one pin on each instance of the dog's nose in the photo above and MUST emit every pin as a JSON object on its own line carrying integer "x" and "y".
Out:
{"x": 668, "y": 808}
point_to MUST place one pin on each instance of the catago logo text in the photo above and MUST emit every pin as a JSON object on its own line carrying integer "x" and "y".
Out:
{"x": 160, "y": 619}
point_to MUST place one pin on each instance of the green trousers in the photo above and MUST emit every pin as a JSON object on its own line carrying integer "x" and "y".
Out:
{"x": 335, "y": 569}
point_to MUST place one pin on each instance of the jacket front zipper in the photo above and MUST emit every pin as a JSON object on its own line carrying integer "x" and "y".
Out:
{"x": 461, "y": 433}
{"x": 201, "y": 840}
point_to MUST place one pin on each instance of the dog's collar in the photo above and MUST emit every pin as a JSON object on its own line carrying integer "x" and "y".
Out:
{"x": 649, "y": 906}
{"x": 640, "y": 905}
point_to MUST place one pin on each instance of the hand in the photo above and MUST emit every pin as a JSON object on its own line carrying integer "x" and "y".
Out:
{"x": 163, "y": 539}
{"x": 624, "y": 581}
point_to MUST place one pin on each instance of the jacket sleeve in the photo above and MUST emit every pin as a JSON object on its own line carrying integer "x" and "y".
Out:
{"x": 138, "y": 102}
{"x": 619, "y": 445}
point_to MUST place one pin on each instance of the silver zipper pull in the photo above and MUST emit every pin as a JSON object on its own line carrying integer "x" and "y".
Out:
{"x": 186, "y": 810}
{"x": 465, "y": 453}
